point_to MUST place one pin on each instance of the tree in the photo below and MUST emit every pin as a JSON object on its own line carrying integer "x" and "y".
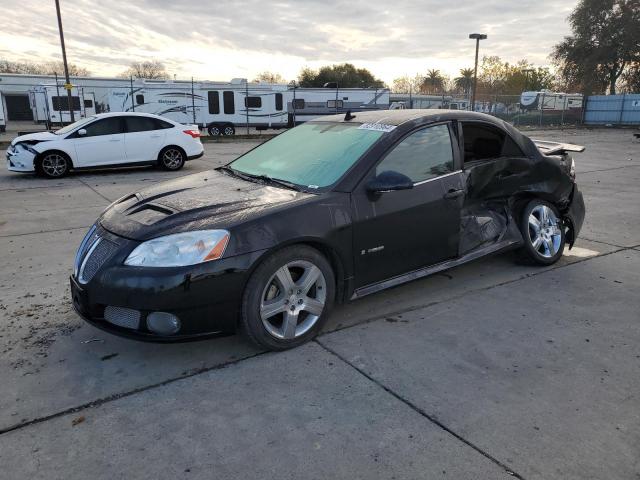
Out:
{"x": 345, "y": 75}
{"x": 48, "y": 68}
{"x": 270, "y": 77}
{"x": 605, "y": 40}
{"x": 407, "y": 84}
{"x": 150, "y": 70}
{"x": 464, "y": 82}
{"x": 631, "y": 78}
{"x": 433, "y": 83}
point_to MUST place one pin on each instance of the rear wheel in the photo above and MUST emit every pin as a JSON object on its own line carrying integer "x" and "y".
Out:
{"x": 288, "y": 298}
{"x": 54, "y": 165}
{"x": 543, "y": 233}
{"x": 172, "y": 158}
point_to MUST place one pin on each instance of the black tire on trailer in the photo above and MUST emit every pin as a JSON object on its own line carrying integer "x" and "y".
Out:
{"x": 214, "y": 130}
{"x": 228, "y": 130}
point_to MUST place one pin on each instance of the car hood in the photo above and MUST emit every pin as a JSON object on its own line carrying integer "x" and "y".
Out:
{"x": 205, "y": 200}
{"x": 35, "y": 137}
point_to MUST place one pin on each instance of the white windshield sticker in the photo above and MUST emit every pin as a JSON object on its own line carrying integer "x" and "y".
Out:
{"x": 378, "y": 127}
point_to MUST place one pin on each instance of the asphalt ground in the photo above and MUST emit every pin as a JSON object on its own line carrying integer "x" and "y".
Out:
{"x": 489, "y": 370}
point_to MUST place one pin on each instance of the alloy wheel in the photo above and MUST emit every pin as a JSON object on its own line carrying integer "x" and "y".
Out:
{"x": 172, "y": 158}
{"x": 229, "y": 131}
{"x": 54, "y": 165}
{"x": 544, "y": 231}
{"x": 293, "y": 299}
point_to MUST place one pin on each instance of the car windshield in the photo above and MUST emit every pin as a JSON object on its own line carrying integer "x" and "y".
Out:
{"x": 72, "y": 126}
{"x": 313, "y": 155}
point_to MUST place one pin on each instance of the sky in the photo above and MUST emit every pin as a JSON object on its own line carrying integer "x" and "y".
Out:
{"x": 224, "y": 40}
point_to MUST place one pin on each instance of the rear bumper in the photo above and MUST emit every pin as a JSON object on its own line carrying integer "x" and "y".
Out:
{"x": 575, "y": 215}
{"x": 198, "y": 155}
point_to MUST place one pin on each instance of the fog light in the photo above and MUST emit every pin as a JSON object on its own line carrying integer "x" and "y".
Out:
{"x": 163, "y": 323}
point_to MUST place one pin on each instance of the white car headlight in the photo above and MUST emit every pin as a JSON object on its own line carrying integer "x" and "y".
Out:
{"x": 180, "y": 249}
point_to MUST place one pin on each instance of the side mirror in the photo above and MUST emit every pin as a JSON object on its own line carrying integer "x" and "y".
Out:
{"x": 389, "y": 180}
{"x": 82, "y": 132}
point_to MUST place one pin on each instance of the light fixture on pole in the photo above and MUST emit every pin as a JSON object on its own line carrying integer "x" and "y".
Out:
{"x": 477, "y": 37}
{"x": 67, "y": 85}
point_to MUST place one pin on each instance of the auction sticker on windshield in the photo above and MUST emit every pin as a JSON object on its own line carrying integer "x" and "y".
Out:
{"x": 378, "y": 127}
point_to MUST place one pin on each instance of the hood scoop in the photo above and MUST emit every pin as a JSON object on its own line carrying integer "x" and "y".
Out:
{"x": 148, "y": 214}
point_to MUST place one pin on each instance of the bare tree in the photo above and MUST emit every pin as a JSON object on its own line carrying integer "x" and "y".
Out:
{"x": 407, "y": 84}
{"x": 48, "y": 68}
{"x": 270, "y": 77}
{"x": 150, "y": 70}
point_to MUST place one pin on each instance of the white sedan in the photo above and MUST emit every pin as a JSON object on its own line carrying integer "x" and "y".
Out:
{"x": 106, "y": 140}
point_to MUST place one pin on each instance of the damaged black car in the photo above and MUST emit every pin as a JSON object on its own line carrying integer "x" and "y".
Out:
{"x": 329, "y": 211}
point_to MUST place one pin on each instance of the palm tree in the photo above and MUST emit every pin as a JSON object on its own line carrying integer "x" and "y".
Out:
{"x": 433, "y": 82}
{"x": 465, "y": 81}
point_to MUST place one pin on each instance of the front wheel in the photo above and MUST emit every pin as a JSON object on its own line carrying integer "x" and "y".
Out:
{"x": 228, "y": 130}
{"x": 53, "y": 165}
{"x": 288, "y": 298}
{"x": 543, "y": 233}
{"x": 172, "y": 158}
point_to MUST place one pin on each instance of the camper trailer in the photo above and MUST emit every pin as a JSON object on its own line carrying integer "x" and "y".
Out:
{"x": 308, "y": 103}
{"x": 50, "y": 104}
{"x": 219, "y": 107}
{"x": 3, "y": 118}
{"x": 547, "y": 100}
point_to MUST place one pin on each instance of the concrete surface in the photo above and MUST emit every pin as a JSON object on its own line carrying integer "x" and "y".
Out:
{"x": 424, "y": 380}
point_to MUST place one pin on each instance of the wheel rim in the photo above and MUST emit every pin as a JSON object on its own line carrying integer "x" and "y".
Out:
{"x": 214, "y": 131}
{"x": 228, "y": 131}
{"x": 544, "y": 231}
{"x": 172, "y": 158}
{"x": 293, "y": 299}
{"x": 54, "y": 165}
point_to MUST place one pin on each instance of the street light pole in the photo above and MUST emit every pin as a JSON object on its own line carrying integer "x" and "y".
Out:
{"x": 477, "y": 37}
{"x": 64, "y": 62}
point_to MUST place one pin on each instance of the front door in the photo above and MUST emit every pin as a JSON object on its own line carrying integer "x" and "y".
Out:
{"x": 399, "y": 231}
{"x": 103, "y": 143}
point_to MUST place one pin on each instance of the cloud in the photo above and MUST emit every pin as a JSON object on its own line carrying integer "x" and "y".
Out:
{"x": 224, "y": 40}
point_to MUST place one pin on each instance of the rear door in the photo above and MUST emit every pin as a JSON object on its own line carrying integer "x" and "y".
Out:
{"x": 144, "y": 138}
{"x": 103, "y": 143}
{"x": 399, "y": 231}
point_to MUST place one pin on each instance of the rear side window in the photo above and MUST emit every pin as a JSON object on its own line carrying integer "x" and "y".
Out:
{"x": 278, "y": 101}
{"x": 485, "y": 142}
{"x": 161, "y": 124}
{"x": 140, "y": 124}
{"x": 229, "y": 102}
{"x": 422, "y": 155}
{"x": 214, "y": 102}
{"x": 253, "y": 102}
{"x": 106, "y": 126}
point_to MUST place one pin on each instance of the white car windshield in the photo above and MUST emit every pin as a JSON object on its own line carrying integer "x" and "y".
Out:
{"x": 71, "y": 127}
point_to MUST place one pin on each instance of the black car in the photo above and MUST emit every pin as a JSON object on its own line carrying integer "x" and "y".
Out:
{"x": 329, "y": 211}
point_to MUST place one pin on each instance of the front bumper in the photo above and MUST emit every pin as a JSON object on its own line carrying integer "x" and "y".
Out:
{"x": 205, "y": 297}
{"x": 19, "y": 159}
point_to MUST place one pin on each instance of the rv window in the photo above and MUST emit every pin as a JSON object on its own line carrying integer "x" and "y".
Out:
{"x": 139, "y": 99}
{"x": 332, "y": 104}
{"x": 278, "y": 101}
{"x": 106, "y": 126}
{"x": 229, "y": 103}
{"x": 140, "y": 124}
{"x": 88, "y": 104}
{"x": 214, "y": 102}
{"x": 62, "y": 103}
{"x": 252, "y": 102}
{"x": 298, "y": 104}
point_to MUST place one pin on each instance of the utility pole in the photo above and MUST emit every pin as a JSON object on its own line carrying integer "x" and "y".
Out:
{"x": 477, "y": 37}
{"x": 64, "y": 61}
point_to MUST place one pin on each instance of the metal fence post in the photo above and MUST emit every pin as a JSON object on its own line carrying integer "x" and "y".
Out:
{"x": 541, "y": 109}
{"x": 564, "y": 106}
{"x": 246, "y": 102}
{"x": 133, "y": 106}
{"x": 193, "y": 101}
{"x": 624, "y": 95}
{"x": 59, "y": 106}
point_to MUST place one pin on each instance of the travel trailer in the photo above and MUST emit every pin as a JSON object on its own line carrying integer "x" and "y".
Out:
{"x": 50, "y": 104}
{"x": 219, "y": 107}
{"x": 547, "y": 100}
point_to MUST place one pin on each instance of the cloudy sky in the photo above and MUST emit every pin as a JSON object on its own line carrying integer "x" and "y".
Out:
{"x": 222, "y": 40}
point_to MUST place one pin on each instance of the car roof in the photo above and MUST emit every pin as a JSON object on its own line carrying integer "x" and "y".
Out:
{"x": 134, "y": 114}
{"x": 398, "y": 117}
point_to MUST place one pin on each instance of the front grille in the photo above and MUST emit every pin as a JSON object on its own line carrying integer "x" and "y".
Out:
{"x": 122, "y": 317}
{"x": 98, "y": 253}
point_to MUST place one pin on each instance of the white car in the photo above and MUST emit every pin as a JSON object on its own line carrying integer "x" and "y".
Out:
{"x": 106, "y": 140}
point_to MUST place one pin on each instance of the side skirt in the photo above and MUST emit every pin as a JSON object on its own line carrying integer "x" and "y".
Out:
{"x": 426, "y": 271}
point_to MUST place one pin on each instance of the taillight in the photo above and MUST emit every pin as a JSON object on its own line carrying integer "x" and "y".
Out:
{"x": 193, "y": 133}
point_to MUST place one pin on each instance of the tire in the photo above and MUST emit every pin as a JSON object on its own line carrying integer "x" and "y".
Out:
{"x": 172, "y": 158}
{"x": 543, "y": 233}
{"x": 281, "y": 308}
{"x": 53, "y": 165}
{"x": 214, "y": 130}
{"x": 228, "y": 130}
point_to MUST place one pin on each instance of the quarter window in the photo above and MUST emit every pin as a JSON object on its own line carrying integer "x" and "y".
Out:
{"x": 422, "y": 155}
{"x": 229, "y": 103}
{"x": 214, "y": 102}
{"x": 107, "y": 126}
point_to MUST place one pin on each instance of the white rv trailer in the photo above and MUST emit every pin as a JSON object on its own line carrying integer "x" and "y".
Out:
{"x": 3, "y": 121}
{"x": 547, "y": 100}
{"x": 305, "y": 104}
{"x": 418, "y": 100}
{"x": 220, "y": 107}
{"x": 50, "y": 104}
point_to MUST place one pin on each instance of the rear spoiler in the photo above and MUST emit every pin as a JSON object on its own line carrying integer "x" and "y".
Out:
{"x": 555, "y": 148}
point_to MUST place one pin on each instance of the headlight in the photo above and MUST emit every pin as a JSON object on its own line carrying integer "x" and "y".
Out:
{"x": 180, "y": 249}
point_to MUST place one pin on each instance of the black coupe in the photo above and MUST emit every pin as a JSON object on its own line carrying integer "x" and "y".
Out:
{"x": 329, "y": 211}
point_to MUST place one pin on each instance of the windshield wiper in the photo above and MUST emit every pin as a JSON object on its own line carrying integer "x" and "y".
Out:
{"x": 262, "y": 177}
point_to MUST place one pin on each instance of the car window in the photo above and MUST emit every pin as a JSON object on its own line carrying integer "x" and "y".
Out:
{"x": 106, "y": 126}
{"x": 422, "y": 155}
{"x": 140, "y": 124}
{"x": 483, "y": 141}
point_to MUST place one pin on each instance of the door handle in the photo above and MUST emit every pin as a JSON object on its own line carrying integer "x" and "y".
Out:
{"x": 156, "y": 136}
{"x": 114, "y": 140}
{"x": 453, "y": 193}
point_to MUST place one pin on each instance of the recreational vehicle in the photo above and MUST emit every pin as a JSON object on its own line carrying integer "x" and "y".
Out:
{"x": 50, "y": 104}
{"x": 547, "y": 100}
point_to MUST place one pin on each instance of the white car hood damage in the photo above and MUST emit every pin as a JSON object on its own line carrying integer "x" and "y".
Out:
{"x": 36, "y": 137}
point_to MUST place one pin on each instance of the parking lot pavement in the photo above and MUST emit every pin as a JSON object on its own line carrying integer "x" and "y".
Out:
{"x": 54, "y": 368}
